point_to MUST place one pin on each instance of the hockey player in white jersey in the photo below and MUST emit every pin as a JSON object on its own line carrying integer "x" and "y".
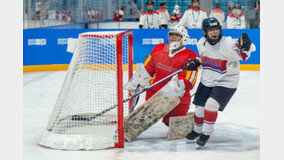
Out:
{"x": 220, "y": 76}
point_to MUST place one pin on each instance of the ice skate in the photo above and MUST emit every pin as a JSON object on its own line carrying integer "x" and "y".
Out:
{"x": 192, "y": 136}
{"x": 202, "y": 141}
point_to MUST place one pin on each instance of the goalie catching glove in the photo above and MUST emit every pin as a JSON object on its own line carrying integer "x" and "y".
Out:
{"x": 140, "y": 79}
{"x": 174, "y": 88}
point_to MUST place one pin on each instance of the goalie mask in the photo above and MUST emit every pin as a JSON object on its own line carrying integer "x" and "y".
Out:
{"x": 184, "y": 37}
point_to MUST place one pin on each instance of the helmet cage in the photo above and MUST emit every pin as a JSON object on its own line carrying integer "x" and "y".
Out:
{"x": 181, "y": 31}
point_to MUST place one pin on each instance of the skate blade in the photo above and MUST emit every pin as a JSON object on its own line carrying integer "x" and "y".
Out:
{"x": 198, "y": 147}
{"x": 190, "y": 141}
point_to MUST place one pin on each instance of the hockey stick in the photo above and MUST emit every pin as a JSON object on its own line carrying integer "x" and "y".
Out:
{"x": 134, "y": 100}
{"x": 83, "y": 118}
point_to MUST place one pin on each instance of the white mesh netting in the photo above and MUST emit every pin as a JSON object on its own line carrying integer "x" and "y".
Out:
{"x": 89, "y": 88}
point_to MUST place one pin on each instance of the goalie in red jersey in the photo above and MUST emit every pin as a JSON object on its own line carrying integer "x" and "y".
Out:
{"x": 165, "y": 59}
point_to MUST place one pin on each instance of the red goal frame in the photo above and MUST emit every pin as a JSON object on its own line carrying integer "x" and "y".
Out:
{"x": 119, "y": 51}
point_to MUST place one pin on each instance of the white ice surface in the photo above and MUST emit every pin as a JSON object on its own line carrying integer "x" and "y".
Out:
{"x": 236, "y": 135}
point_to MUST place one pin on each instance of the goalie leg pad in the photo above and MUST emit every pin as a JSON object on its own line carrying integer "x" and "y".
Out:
{"x": 180, "y": 126}
{"x": 179, "y": 110}
{"x": 148, "y": 114}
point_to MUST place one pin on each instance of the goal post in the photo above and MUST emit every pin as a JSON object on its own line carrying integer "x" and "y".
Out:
{"x": 101, "y": 65}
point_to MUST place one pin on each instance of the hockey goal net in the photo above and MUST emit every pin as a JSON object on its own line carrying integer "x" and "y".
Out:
{"x": 82, "y": 118}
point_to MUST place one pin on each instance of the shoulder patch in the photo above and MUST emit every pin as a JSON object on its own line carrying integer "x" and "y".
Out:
{"x": 145, "y": 13}
{"x": 217, "y": 10}
{"x": 189, "y": 9}
{"x": 161, "y": 10}
{"x": 231, "y": 15}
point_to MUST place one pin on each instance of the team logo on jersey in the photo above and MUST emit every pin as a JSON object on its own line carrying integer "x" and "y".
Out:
{"x": 166, "y": 67}
{"x": 216, "y": 65}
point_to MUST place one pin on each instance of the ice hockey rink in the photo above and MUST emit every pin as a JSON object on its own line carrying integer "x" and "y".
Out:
{"x": 236, "y": 135}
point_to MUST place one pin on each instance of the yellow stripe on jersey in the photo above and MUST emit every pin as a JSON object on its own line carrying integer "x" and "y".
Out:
{"x": 195, "y": 78}
{"x": 147, "y": 60}
{"x": 152, "y": 80}
{"x": 188, "y": 73}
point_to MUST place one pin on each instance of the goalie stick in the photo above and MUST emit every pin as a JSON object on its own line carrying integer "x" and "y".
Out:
{"x": 135, "y": 100}
{"x": 89, "y": 118}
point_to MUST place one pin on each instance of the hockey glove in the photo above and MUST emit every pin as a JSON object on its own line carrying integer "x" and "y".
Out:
{"x": 140, "y": 77}
{"x": 174, "y": 88}
{"x": 244, "y": 42}
{"x": 193, "y": 64}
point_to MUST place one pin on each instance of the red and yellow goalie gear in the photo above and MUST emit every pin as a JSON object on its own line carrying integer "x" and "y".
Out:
{"x": 152, "y": 80}
{"x": 147, "y": 60}
{"x": 189, "y": 78}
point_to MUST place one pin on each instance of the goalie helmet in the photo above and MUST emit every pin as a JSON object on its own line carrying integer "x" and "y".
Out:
{"x": 184, "y": 36}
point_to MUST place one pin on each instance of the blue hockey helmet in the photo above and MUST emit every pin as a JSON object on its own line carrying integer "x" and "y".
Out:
{"x": 208, "y": 24}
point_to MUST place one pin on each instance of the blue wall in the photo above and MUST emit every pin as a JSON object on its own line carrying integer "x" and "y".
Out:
{"x": 48, "y": 46}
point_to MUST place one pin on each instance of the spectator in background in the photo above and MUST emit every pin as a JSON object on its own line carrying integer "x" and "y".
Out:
{"x": 218, "y": 14}
{"x": 93, "y": 18}
{"x": 231, "y": 6}
{"x": 194, "y": 16}
{"x": 118, "y": 14}
{"x": 64, "y": 15}
{"x": 257, "y": 5}
{"x": 175, "y": 17}
{"x": 164, "y": 14}
{"x": 236, "y": 20}
{"x": 89, "y": 14}
{"x": 151, "y": 19}
{"x": 257, "y": 13}
{"x": 138, "y": 13}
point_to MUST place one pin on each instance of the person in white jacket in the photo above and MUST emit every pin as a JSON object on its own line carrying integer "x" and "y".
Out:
{"x": 164, "y": 14}
{"x": 236, "y": 20}
{"x": 175, "y": 17}
{"x": 193, "y": 17}
{"x": 220, "y": 57}
{"x": 218, "y": 14}
{"x": 151, "y": 19}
